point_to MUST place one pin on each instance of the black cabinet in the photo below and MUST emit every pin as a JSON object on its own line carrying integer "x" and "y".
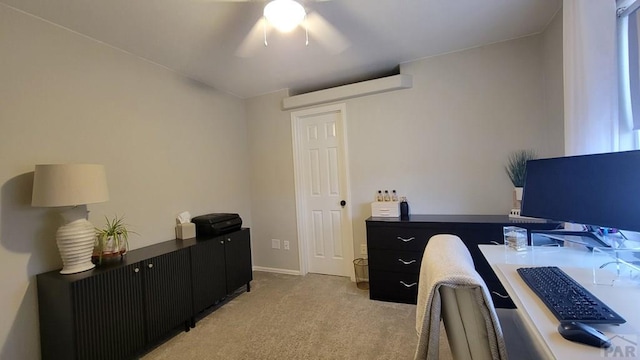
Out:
{"x": 209, "y": 275}
{"x": 112, "y": 312}
{"x": 117, "y": 310}
{"x": 395, "y": 250}
{"x": 237, "y": 253}
{"x": 220, "y": 265}
{"x": 395, "y": 254}
{"x": 81, "y": 319}
{"x": 167, "y": 292}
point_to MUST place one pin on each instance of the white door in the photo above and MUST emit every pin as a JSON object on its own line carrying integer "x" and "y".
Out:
{"x": 324, "y": 218}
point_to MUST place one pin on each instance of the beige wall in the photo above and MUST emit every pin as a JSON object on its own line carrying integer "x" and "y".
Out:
{"x": 272, "y": 182}
{"x": 168, "y": 144}
{"x": 554, "y": 84}
{"x": 442, "y": 143}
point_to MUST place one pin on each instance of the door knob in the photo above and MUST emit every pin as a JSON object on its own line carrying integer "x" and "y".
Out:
{"x": 343, "y": 203}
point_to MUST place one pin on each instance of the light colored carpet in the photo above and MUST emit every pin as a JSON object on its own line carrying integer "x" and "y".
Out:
{"x": 299, "y": 317}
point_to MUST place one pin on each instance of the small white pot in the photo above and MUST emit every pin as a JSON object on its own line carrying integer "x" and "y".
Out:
{"x": 518, "y": 191}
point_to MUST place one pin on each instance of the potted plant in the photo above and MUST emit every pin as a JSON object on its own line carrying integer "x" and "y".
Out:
{"x": 112, "y": 241}
{"x": 516, "y": 168}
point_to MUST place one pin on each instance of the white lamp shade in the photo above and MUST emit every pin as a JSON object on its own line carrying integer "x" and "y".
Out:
{"x": 69, "y": 185}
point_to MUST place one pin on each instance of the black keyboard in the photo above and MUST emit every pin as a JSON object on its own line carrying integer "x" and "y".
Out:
{"x": 567, "y": 299}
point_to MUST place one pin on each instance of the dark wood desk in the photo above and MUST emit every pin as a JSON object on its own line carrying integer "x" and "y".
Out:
{"x": 395, "y": 250}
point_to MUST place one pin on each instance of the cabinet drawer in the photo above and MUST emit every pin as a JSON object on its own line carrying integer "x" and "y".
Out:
{"x": 396, "y": 238}
{"x": 394, "y": 260}
{"x": 393, "y": 286}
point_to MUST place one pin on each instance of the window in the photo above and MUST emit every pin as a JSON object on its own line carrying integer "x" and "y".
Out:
{"x": 629, "y": 73}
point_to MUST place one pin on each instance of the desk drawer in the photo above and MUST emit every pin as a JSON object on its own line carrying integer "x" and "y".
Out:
{"x": 394, "y": 260}
{"x": 393, "y": 286}
{"x": 396, "y": 238}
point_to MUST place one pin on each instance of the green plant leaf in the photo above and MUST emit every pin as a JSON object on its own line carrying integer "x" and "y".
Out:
{"x": 115, "y": 228}
{"x": 517, "y": 166}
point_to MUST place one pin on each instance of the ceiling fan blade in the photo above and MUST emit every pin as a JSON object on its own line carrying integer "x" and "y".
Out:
{"x": 254, "y": 39}
{"x": 326, "y": 34}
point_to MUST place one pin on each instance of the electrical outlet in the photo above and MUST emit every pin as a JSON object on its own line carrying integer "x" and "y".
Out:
{"x": 286, "y": 244}
{"x": 363, "y": 249}
{"x": 275, "y": 243}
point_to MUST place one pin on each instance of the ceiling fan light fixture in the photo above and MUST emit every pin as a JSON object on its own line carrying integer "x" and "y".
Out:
{"x": 284, "y": 15}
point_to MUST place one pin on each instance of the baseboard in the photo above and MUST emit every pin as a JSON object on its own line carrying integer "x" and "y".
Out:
{"x": 276, "y": 270}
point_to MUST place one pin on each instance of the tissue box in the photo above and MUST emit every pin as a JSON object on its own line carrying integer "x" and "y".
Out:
{"x": 186, "y": 231}
{"x": 385, "y": 209}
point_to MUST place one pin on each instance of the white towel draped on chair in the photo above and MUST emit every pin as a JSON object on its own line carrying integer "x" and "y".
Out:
{"x": 451, "y": 289}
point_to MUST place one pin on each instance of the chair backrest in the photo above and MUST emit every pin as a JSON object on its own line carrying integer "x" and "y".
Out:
{"x": 464, "y": 324}
{"x": 466, "y": 306}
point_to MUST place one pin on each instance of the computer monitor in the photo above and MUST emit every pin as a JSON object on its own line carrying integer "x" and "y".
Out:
{"x": 601, "y": 190}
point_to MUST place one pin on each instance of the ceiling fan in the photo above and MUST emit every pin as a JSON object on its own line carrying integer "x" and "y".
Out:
{"x": 285, "y": 16}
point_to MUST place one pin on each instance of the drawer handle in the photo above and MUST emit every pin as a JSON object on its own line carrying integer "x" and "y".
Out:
{"x": 408, "y": 285}
{"x": 407, "y": 262}
{"x": 406, "y": 240}
{"x": 500, "y": 295}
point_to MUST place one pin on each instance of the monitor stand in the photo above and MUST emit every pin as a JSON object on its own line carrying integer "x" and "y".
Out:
{"x": 592, "y": 237}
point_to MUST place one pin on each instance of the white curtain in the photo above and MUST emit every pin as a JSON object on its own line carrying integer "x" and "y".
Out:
{"x": 629, "y": 73}
{"x": 590, "y": 76}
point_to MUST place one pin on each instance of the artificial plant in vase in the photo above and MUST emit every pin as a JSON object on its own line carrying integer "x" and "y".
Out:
{"x": 112, "y": 241}
{"x": 516, "y": 168}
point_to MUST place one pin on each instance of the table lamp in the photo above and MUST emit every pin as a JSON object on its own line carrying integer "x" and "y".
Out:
{"x": 72, "y": 186}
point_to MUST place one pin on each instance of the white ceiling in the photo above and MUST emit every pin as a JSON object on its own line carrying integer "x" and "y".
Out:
{"x": 199, "y": 38}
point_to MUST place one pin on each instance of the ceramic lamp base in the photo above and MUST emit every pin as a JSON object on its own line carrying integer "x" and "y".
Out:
{"x": 75, "y": 243}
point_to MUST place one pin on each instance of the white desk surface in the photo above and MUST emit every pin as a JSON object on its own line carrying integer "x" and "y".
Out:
{"x": 542, "y": 325}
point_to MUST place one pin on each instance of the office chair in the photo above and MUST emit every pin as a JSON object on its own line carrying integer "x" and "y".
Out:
{"x": 452, "y": 290}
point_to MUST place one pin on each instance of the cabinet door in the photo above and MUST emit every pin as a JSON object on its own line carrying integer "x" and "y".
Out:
{"x": 238, "y": 259}
{"x": 167, "y": 290}
{"x": 109, "y": 321}
{"x": 208, "y": 273}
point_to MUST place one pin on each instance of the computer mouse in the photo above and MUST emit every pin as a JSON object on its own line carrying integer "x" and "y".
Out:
{"x": 583, "y": 333}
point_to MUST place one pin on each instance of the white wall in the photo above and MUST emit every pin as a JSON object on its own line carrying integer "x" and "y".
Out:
{"x": 554, "y": 83}
{"x": 273, "y": 205}
{"x": 442, "y": 143}
{"x": 169, "y": 144}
